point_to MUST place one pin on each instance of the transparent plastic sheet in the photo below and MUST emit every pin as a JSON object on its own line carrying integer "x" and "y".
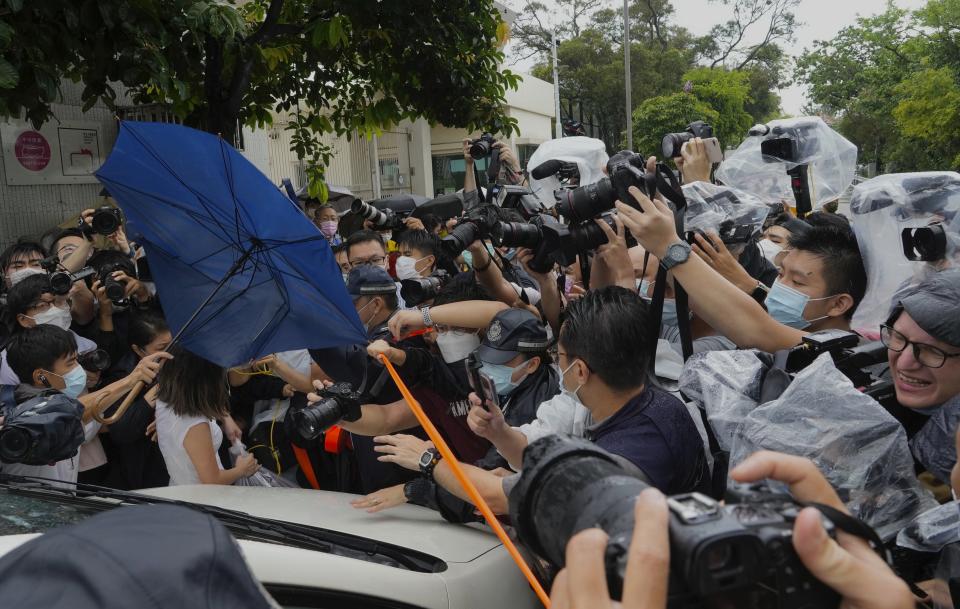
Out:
{"x": 934, "y": 445}
{"x": 588, "y": 153}
{"x": 832, "y": 158}
{"x": 881, "y": 208}
{"x": 858, "y": 446}
{"x": 264, "y": 477}
{"x": 932, "y": 530}
{"x": 720, "y": 209}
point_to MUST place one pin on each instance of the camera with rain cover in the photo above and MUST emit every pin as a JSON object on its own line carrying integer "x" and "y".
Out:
{"x": 925, "y": 243}
{"x": 62, "y": 281}
{"x": 421, "y": 289}
{"x": 43, "y": 430}
{"x": 624, "y": 169}
{"x": 739, "y": 554}
{"x": 387, "y": 213}
{"x": 337, "y": 403}
{"x": 672, "y": 143}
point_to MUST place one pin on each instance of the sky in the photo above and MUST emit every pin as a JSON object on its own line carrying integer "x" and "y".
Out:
{"x": 821, "y": 20}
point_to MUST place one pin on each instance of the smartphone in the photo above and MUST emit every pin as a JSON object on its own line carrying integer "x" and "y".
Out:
{"x": 480, "y": 382}
{"x": 713, "y": 149}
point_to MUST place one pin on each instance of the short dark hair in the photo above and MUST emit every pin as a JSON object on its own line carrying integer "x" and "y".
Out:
{"x": 20, "y": 248}
{"x": 145, "y": 325}
{"x": 26, "y": 293}
{"x": 38, "y": 347}
{"x": 822, "y": 218}
{"x": 111, "y": 258}
{"x": 431, "y": 222}
{"x": 837, "y": 249}
{"x": 193, "y": 386}
{"x": 364, "y": 236}
{"x": 388, "y": 299}
{"x": 460, "y": 288}
{"x": 608, "y": 328}
{"x": 421, "y": 240}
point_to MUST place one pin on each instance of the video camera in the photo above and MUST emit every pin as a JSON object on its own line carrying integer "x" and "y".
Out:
{"x": 421, "y": 289}
{"x": 672, "y": 143}
{"x": 43, "y": 430}
{"x": 62, "y": 281}
{"x": 738, "y": 554}
{"x": 340, "y": 403}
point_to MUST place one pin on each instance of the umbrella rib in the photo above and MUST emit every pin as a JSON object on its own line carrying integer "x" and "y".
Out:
{"x": 228, "y": 170}
{"x": 200, "y": 325}
{"x": 200, "y": 198}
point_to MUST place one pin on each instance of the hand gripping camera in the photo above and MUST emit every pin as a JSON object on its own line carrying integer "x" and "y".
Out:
{"x": 338, "y": 403}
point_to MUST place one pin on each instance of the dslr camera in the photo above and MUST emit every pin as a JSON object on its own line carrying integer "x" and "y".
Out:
{"x": 62, "y": 281}
{"x": 418, "y": 290}
{"x": 673, "y": 142}
{"x": 106, "y": 220}
{"x": 387, "y": 213}
{"x": 735, "y": 555}
{"x": 477, "y": 222}
{"x": 924, "y": 243}
{"x": 482, "y": 147}
{"x": 624, "y": 169}
{"x": 338, "y": 403}
{"x": 43, "y": 430}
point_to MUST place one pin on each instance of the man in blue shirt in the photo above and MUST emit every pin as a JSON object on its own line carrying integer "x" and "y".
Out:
{"x": 604, "y": 352}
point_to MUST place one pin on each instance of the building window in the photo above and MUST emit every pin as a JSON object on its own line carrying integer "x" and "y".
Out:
{"x": 524, "y": 152}
{"x": 449, "y": 171}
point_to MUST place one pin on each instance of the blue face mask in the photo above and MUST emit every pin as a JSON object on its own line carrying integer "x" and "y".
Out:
{"x": 75, "y": 381}
{"x": 503, "y": 377}
{"x": 786, "y": 305}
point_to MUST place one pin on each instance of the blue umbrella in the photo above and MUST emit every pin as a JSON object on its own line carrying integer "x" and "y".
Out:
{"x": 240, "y": 271}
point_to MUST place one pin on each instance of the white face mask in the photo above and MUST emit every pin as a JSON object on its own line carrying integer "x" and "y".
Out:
{"x": 55, "y": 316}
{"x": 387, "y": 236}
{"x": 407, "y": 267}
{"x": 769, "y": 249}
{"x": 18, "y": 276}
{"x": 455, "y": 346}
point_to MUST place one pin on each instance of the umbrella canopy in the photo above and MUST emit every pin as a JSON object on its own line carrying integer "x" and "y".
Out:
{"x": 237, "y": 265}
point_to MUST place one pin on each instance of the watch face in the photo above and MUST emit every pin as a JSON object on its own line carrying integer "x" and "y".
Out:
{"x": 426, "y": 459}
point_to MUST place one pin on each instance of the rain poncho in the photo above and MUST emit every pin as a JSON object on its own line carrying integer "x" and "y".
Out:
{"x": 831, "y": 157}
{"x": 881, "y": 209}
{"x": 588, "y": 153}
{"x": 735, "y": 215}
{"x": 858, "y": 446}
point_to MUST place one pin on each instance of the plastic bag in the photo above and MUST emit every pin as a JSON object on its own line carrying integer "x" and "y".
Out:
{"x": 264, "y": 477}
{"x": 735, "y": 215}
{"x": 588, "y": 153}
{"x": 934, "y": 446}
{"x": 933, "y": 530}
{"x": 858, "y": 446}
{"x": 881, "y": 208}
{"x": 832, "y": 158}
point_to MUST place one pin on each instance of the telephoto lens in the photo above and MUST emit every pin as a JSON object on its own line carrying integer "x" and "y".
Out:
{"x": 581, "y": 204}
{"x": 106, "y": 220}
{"x": 369, "y": 212}
{"x": 516, "y": 234}
{"x": 460, "y": 238}
{"x": 338, "y": 403}
{"x": 739, "y": 555}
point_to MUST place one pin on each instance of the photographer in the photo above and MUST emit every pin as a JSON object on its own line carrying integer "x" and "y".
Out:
{"x": 848, "y": 565}
{"x": 603, "y": 350}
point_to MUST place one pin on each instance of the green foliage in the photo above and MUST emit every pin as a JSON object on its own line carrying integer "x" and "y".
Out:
{"x": 892, "y": 81}
{"x": 657, "y": 116}
{"x": 355, "y": 65}
{"x": 727, "y": 93}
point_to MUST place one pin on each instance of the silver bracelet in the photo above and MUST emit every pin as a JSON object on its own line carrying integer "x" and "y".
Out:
{"x": 427, "y": 321}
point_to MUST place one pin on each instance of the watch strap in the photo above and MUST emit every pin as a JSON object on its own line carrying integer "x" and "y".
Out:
{"x": 427, "y": 470}
{"x": 427, "y": 320}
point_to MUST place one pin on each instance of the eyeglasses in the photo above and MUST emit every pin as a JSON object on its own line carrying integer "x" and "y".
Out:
{"x": 926, "y": 355}
{"x": 375, "y": 261}
{"x": 44, "y": 305}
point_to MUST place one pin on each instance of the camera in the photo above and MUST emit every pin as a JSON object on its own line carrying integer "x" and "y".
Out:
{"x": 550, "y": 240}
{"x": 387, "y": 213}
{"x": 97, "y": 360}
{"x": 673, "y": 142}
{"x": 116, "y": 290}
{"x": 421, "y": 289}
{"x": 62, "y": 281}
{"x": 624, "y": 169}
{"x": 338, "y": 403}
{"x": 43, "y": 430}
{"x": 788, "y": 143}
{"x": 105, "y": 221}
{"x": 482, "y": 146}
{"x": 739, "y": 554}
{"x": 519, "y": 198}
{"x": 478, "y": 222}
{"x": 924, "y": 243}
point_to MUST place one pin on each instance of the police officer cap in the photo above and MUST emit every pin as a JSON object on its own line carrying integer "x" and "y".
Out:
{"x": 369, "y": 280}
{"x": 935, "y": 305}
{"x": 512, "y": 332}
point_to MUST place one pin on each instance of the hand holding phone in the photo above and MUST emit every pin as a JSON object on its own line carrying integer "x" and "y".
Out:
{"x": 480, "y": 382}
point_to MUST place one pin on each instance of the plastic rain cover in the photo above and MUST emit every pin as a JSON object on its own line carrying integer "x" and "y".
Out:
{"x": 588, "y": 153}
{"x": 881, "y": 209}
{"x": 858, "y": 446}
{"x": 729, "y": 212}
{"x": 832, "y": 158}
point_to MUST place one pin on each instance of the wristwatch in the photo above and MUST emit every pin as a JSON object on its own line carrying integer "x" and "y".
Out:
{"x": 428, "y": 461}
{"x": 677, "y": 253}
{"x": 427, "y": 320}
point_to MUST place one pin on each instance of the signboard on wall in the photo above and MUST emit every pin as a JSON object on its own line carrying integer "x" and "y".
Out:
{"x": 68, "y": 152}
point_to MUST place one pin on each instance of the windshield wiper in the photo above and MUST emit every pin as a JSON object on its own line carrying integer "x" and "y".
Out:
{"x": 267, "y": 529}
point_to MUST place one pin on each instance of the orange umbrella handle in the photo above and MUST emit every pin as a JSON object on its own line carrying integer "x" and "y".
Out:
{"x": 478, "y": 501}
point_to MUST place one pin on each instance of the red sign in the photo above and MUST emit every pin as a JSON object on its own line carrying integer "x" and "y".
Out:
{"x": 32, "y": 150}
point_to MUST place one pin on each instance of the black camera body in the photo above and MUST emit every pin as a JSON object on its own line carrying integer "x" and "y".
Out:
{"x": 552, "y": 242}
{"x": 924, "y": 243}
{"x": 339, "y": 403}
{"x": 106, "y": 220}
{"x": 624, "y": 169}
{"x": 673, "y": 142}
{"x": 116, "y": 290}
{"x": 478, "y": 222}
{"x": 739, "y": 554}
{"x": 42, "y": 430}
{"x": 61, "y": 281}
{"x": 418, "y": 290}
{"x": 482, "y": 147}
